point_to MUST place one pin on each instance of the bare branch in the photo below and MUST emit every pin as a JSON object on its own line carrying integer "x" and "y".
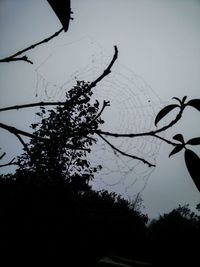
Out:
{"x": 15, "y": 131}
{"x": 15, "y": 57}
{"x": 18, "y": 132}
{"x": 150, "y": 133}
{"x": 165, "y": 140}
{"x": 104, "y": 74}
{"x": 125, "y": 154}
{"x": 9, "y": 59}
{"x": 8, "y": 164}
{"x": 23, "y": 143}
{"x": 107, "y": 71}
{"x": 3, "y": 155}
{"x": 33, "y": 105}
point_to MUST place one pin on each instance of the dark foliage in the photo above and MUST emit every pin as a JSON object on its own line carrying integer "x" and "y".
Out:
{"x": 54, "y": 223}
{"x": 66, "y": 137}
{"x": 173, "y": 238}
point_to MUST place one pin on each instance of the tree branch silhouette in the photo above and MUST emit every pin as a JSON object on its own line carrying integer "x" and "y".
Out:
{"x": 150, "y": 133}
{"x": 165, "y": 140}
{"x": 15, "y": 57}
{"x": 23, "y": 143}
{"x": 125, "y": 154}
{"x": 15, "y": 131}
{"x": 107, "y": 71}
{"x": 8, "y": 164}
{"x": 3, "y": 155}
{"x": 32, "y": 105}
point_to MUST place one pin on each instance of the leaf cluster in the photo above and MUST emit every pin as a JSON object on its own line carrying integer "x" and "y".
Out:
{"x": 192, "y": 160}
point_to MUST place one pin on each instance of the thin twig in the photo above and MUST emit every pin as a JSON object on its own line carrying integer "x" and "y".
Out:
{"x": 14, "y": 130}
{"x": 107, "y": 70}
{"x": 125, "y": 154}
{"x": 3, "y": 155}
{"x": 105, "y": 104}
{"x": 9, "y": 59}
{"x": 23, "y": 143}
{"x": 101, "y": 77}
{"x": 33, "y": 105}
{"x": 9, "y": 163}
{"x": 25, "y": 58}
{"x": 165, "y": 140}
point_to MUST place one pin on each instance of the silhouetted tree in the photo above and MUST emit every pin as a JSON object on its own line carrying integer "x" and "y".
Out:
{"x": 65, "y": 136}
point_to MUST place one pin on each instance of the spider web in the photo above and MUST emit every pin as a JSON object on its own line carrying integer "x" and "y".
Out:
{"x": 134, "y": 106}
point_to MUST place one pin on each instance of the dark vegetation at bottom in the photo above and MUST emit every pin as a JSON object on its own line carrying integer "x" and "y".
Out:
{"x": 52, "y": 223}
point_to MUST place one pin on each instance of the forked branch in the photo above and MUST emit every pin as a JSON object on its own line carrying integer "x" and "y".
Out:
{"x": 15, "y": 57}
{"x": 12, "y": 162}
{"x": 125, "y": 154}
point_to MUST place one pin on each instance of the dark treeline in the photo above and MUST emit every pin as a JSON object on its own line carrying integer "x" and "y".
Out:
{"x": 54, "y": 223}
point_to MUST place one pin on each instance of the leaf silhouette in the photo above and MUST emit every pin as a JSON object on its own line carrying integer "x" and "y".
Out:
{"x": 179, "y": 138}
{"x": 177, "y": 99}
{"x": 183, "y": 99}
{"x": 164, "y": 112}
{"x": 62, "y": 10}
{"x": 194, "y": 141}
{"x": 193, "y": 162}
{"x": 176, "y": 149}
{"x": 195, "y": 103}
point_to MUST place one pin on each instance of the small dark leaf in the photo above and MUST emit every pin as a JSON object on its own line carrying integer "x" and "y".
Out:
{"x": 34, "y": 125}
{"x": 179, "y": 138}
{"x": 193, "y": 162}
{"x": 178, "y": 99}
{"x": 164, "y": 112}
{"x": 96, "y": 104}
{"x": 194, "y": 141}
{"x": 195, "y": 103}
{"x": 176, "y": 150}
{"x": 184, "y": 98}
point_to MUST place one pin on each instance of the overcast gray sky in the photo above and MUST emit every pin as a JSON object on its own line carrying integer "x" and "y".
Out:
{"x": 157, "y": 39}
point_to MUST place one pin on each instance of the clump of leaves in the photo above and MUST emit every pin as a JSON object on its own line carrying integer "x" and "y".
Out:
{"x": 195, "y": 103}
{"x": 65, "y": 138}
{"x": 191, "y": 159}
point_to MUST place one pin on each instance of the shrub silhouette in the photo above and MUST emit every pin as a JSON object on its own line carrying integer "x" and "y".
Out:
{"x": 55, "y": 222}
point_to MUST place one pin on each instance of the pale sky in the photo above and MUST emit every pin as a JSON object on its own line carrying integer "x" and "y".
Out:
{"x": 159, "y": 40}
